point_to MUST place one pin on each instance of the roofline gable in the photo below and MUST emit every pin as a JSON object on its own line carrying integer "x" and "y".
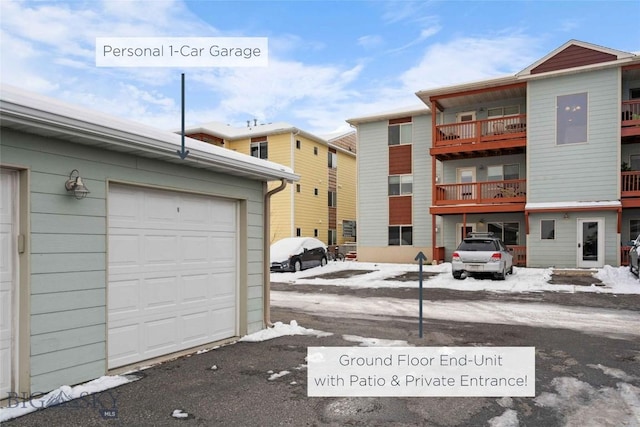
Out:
{"x": 619, "y": 54}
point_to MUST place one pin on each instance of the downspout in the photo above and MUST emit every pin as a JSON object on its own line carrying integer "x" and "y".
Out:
{"x": 266, "y": 249}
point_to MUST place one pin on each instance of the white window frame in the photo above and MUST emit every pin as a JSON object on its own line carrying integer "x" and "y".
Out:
{"x": 261, "y": 148}
{"x": 554, "y": 229}
{"x": 404, "y": 182}
{"x": 405, "y": 130}
{"x": 564, "y": 111}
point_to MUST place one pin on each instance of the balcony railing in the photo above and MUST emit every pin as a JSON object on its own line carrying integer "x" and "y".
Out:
{"x": 519, "y": 255}
{"x": 474, "y": 132}
{"x": 488, "y": 192}
{"x": 630, "y": 184}
{"x": 630, "y": 117}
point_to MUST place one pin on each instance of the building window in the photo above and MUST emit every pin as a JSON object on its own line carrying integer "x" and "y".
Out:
{"x": 634, "y": 162}
{"x": 634, "y": 229}
{"x": 315, "y": 191}
{"x": 571, "y": 119}
{"x": 259, "y": 149}
{"x": 400, "y": 134}
{"x": 400, "y": 185}
{"x": 332, "y": 237}
{"x": 511, "y": 110}
{"x": 634, "y": 93}
{"x": 548, "y": 229}
{"x": 297, "y": 188}
{"x": 298, "y": 232}
{"x": 298, "y": 144}
{"x": 315, "y": 150}
{"x": 401, "y": 235}
{"x": 508, "y": 232}
{"x": 315, "y": 232}
{"x": 333, "y": 160}
{"x": 333, "y": 202}
{"x": 503, "y": 172}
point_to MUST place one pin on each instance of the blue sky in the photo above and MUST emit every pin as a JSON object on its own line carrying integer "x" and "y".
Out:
{"x": 328, "y": 61}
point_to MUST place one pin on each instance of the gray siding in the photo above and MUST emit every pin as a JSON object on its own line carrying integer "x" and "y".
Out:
{"x": 481, "y": 165}
{"x": 68, "y": 245}
{"x": 421, "y": 180}
{"x": 373, "y": 171}
{"x": 563, "y": 250}
{"x": 574, "y": 172}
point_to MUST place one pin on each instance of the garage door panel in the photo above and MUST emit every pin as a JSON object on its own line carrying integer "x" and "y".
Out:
{"x": 173, "y": 279}
{"x": 196, "y": 288}
{"x": 160, "y": 249}
{"x": 161, "y": 334}
{"x": 124, "y": 251}
{"x": 123, "y": 297}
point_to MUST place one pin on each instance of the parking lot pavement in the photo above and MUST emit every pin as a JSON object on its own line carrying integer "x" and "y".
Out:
{"x": 579, "y": 378}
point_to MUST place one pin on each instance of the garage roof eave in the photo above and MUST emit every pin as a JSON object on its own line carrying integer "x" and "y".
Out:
{"x": 37, "y": 114}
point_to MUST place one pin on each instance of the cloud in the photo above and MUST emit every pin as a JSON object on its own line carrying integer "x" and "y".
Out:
{"x": 465, "y": 59}
{"x": 370, "y": 41}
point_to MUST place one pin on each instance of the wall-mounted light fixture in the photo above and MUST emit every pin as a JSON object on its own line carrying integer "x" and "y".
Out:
{"x": 74, "y": 184}
{"x": 566, "y": 215}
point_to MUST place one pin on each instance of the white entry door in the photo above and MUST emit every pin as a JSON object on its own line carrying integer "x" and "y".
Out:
{"x": 173, "y": 281}
{"x": 590, "y": 242}
{"x": 8, "y": 235}
{"x": 466, "y": 176}
{"x": 466, "y": 130}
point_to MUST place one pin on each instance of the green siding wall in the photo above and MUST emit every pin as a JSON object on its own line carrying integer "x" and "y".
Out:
{"x": 68, "y": 245}
{"x": 574, "y": 172}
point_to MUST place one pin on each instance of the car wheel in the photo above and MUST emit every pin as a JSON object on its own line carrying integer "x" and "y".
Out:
{"x": 501, "y": 276}
{"x": 323, "y": 262}
{"x": 510, "y": 270}
{"x": 457, "y": 275}
{"x": 297, "y": 266}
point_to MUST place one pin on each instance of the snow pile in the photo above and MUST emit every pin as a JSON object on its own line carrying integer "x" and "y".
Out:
{"x": 619, "y": 279}
{"x": 376, "y": 342}
{"x": 582, "y": 404}
{"x": 63, "y": 394}
{"x": 280, "y": 330}
{"x": 508, "y": 419}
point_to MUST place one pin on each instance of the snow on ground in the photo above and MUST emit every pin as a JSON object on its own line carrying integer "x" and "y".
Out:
{"x": 598, "y": 321}
{"x": 280, "y": 329}
{"x": 63, "y": 394}
{"x": 375, "y": 342}
{"x": 616, "y": 280}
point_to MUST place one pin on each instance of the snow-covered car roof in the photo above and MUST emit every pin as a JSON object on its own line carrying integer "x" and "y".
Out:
{"x": 284, "y": 248}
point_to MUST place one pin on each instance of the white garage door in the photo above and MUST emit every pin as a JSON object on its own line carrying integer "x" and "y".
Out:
{"x": 172, "y": 272}
{"x": 7, "y": 277}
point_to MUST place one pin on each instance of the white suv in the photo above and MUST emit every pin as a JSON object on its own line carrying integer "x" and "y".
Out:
{"x": 481, "y": 254}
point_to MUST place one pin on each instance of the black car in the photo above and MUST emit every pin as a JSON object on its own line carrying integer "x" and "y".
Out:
{"x": 297, "y": 253}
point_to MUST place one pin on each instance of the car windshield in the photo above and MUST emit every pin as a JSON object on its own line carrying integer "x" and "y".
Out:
{"x": 478, "y": 245}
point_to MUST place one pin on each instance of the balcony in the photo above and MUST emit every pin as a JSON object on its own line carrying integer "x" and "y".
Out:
{"x": 630, "y": 118}
{"x": 488, "y": 196}
{"x": 504, "y": 135}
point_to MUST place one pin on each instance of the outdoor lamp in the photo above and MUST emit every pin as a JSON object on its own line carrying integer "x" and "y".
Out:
{"x": 74, "y": 184}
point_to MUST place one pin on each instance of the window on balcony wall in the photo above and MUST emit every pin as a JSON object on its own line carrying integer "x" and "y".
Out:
{"x": 548, "y": 229}
{"x": 634, "y": 162}
{"x": 333, "y": 160}
{"x": 401, "y": 235}
{"x": 509, "y": 232}
{"x": 259, "y": 149}
{"x": 333, "y": 201}
{"x": 503, "y": 172}
{"x": 511, "y": 110}
{"x": 400, "y": 134}
{"x": 634, "y": 229}
{"x": 634, "y": 93}
{"x": 571, "y": 118}
{"x": 400, "y": 185}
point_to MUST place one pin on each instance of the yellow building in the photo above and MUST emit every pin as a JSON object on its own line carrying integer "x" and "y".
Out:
{"x": 323, "y": 203}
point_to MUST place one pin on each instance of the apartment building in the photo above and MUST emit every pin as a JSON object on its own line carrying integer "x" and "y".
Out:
{"x": 548, "y": 159}
{"x": 323, "y": 203}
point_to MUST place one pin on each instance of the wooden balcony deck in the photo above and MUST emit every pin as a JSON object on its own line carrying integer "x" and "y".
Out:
{"x": 492, "y": 134}
{"x": 630, "y": 118}
{"x": 487, "y": 192}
